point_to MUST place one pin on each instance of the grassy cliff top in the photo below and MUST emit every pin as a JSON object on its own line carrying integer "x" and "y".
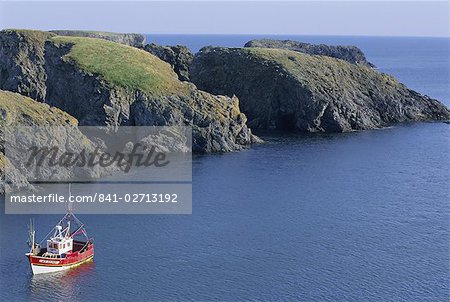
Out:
{"x": 117, "y": 64}
{"x": 322, "y": 71}
{"x": 122, "y": 65}
{"x": 33, "y": 36}
{"x": 86, "y": 33}
{"x": 17, "y": 109}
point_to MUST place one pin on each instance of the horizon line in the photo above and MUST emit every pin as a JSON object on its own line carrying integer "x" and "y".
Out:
{"x": 297, "y": 34}
{"x": 238, "y": 34}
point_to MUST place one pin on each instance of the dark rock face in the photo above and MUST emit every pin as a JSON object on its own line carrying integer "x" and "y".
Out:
{"x": 350, "y": 54}
{"x": 22, "y": 62}
{"x": 83, "y": 95}
{"x": 179, "y": 57}
{"x": 282, "y": 89}
{"x": 40, "y": 69}
{"x": 135, "y": 40}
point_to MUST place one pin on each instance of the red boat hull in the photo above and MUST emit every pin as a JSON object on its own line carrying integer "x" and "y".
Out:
{"x": 41, "y": 264}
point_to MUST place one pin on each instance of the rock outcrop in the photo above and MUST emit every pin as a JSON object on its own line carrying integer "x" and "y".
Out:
{"x": 16, "y": 180}
{"x": 179, "y": 57}
{"x": 288, "y": 90}
{"x": 22, "y": 62}
{"x": 39, "y": 124}
{"x": 135, "y": 40}
{"x": 350, "y": 54}
{"x": 100, "y": 82}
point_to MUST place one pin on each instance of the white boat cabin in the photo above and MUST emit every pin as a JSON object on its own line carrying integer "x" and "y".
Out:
{"x": 60, "y": 243}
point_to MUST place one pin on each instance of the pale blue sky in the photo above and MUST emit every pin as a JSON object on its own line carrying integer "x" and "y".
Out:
{"x": 404, "y": 18}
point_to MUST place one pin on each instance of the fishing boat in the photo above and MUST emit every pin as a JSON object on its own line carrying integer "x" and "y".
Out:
{"x": 63, "y": 250}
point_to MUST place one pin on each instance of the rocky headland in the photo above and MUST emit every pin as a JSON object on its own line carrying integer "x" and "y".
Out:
{"x": 350, "y": 54}
{"x": 293, "y": 91}
{"x": 100, "y": 82}
{"x": 77, "y": 78}
{"x": 135, "y": 40}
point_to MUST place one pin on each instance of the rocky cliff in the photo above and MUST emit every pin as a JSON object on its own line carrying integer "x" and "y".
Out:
{"x": 135, "y": 40}
{"x": 100, "y": 82}
{"x": 16, "y": 180}
{"x": 22, "y": 62}
{"x": 179, "y": 57}
{"x": 17, "y": 110}
{"x": 288, "y": 90}
{"x": 350, "y": 54}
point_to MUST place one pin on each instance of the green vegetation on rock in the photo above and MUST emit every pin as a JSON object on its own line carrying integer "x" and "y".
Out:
{"x": 16, "y": 109}
{"x": 351, "y": 54}
{"x": 294, "y": 91}
{"x": 32, "y": 36}
{"x": 85, "y": 33}
{"x": 105, "y": 83}
{"x": 322, "y": 72}
{"x": 24, "y": 123}
{"x": 136, "y": 40}
{"x": 122, "y": 65}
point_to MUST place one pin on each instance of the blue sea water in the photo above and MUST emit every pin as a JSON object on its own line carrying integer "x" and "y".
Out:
{"x": 360, "y": 216}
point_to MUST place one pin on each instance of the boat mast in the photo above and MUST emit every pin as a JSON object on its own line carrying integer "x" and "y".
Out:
{"x": 31, "y": 234}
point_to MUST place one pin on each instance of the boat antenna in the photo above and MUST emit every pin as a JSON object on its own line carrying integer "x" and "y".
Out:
{"x": 70, "y": 205}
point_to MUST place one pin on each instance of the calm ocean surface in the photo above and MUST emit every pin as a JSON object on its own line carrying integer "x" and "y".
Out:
{"x": 343, "y": 217}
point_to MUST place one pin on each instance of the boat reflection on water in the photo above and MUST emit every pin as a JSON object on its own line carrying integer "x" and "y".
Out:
{"x": 64, "y": 285}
